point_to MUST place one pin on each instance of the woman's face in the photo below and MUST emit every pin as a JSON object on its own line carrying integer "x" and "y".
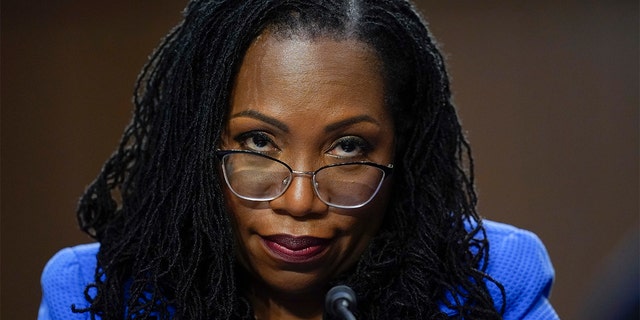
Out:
{"x": 308, "y": 103}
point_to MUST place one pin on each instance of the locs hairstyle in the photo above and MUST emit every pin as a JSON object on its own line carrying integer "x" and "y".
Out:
{"x": 157, "y": 207}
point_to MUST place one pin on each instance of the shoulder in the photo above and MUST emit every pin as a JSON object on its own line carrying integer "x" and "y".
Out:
{"x": 520, "y": 262}
{"x": 81, "y": 256}
{"x": 512, "y": 243}
{"x": 64, "y": 280}
{"x": 511, "y": 248}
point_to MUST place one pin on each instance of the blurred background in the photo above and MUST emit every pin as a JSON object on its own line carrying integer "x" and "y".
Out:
{"x": 547, "y": 91}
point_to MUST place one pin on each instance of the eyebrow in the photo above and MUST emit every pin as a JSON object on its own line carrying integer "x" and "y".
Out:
{"x": 350, "y": 121}
{"x": 283, "y": 127}
{"x": 262, "y": 117}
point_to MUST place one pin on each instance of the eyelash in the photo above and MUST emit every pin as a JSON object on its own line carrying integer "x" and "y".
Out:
{"x": 360, "y": 145}
{"x": 354, "y": 141}
{"x": 262, "y": 137}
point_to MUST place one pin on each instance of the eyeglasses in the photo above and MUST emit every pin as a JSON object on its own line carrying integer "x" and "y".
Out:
{"x": 257, "y": 177}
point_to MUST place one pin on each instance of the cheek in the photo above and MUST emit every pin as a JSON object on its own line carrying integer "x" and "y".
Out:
{"x": 379, "y": 205}
{"x": 240, "y": 222}
{"x": 239, "y": 217}
{"x": 377, "y": 209}
{"x": 240, "y": 214}
{"x": 365, "y": 226}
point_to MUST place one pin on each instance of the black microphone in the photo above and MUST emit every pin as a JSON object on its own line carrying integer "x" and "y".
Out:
{"x": 340, "y": 301}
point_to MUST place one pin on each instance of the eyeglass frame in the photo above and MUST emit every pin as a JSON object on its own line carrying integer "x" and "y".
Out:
{"x": 387, "y": 170}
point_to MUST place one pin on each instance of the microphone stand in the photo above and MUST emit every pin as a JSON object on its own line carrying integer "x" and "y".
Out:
{"x": 340, "y": 301}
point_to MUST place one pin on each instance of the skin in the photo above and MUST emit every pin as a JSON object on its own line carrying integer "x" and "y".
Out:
{"x": 308, "y": 103}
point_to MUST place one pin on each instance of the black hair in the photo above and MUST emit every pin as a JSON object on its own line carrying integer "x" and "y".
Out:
{"x": 157, "y": 206}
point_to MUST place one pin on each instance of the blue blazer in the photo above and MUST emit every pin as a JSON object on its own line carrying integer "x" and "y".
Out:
{"x": 517, "y": 259}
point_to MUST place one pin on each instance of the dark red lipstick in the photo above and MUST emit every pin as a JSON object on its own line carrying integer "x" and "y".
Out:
{"x": 293, "y": 249}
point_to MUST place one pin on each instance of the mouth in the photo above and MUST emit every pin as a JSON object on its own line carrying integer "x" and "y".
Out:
{"x": 292, "y": 249}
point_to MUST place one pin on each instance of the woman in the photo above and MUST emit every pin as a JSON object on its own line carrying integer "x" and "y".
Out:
{"x": 279, "y": 148}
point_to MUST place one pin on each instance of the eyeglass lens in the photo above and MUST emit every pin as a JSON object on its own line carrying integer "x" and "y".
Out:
{"x": 258, "y": 178}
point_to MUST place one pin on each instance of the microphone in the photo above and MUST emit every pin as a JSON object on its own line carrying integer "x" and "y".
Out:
{"x": 340, "y": 301}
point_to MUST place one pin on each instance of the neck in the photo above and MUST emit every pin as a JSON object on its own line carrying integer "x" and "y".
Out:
{"x": 268, "y": 304}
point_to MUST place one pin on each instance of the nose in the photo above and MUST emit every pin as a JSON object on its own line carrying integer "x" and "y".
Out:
{"x": 299, "y": 199}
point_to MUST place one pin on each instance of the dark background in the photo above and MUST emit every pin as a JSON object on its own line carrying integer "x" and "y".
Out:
{"x": 548, "y": 93}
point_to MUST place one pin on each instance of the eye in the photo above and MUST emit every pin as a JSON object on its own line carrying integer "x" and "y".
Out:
{"x": 350, "y": 147}
{"x": 256, "y": 141}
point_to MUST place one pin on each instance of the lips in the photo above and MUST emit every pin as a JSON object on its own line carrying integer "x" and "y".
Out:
{"x": 293, "y": 249}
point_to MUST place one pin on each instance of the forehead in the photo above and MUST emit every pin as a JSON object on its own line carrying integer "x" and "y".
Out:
{"x": 296, "y": 71}
{"x": 301, "y": 53}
